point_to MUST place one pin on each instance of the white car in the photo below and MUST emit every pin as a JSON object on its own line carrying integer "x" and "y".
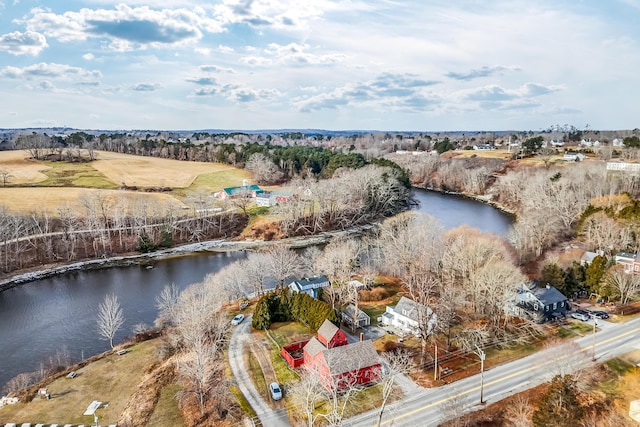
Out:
{"x": 237, "y": 320}
{"x": 276, "y": 391}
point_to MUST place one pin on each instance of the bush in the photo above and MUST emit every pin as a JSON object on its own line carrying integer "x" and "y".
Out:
{"x": 378, "y": 293}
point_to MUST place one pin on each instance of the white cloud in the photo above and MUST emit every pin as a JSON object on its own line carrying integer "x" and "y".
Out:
{"x": 88, "y": 56}
{"x": 49, "y": 70}
{"x": 27, "y": 43}
{"x": 125, "y": 27}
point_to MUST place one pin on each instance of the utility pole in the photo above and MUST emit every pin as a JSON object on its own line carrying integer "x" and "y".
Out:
{"x": 482, "y": 355}
{"x": 593, "y": 348}
{"x": 435, "y": 366}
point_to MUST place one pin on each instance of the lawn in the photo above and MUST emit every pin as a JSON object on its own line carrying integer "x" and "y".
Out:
{"x": 110, "y": 380}
{"x": 289, "y": 332}
{"x": 64, "y": 174}
{"x": 167, "y": 413}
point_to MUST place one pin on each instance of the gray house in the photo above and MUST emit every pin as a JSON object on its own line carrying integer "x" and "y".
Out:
{"x": 540, "y": 303}
{"x": 310, "y": 286}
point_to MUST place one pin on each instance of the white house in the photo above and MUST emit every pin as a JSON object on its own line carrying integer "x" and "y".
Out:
{"x": 573, "y": 157}
{"x": 408, "y": 315}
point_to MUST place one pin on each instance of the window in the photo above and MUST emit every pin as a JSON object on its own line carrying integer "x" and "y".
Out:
{"x": 535, "y": 306}
{"x": 546, "y": 308}
{"x": 555, "y": 305}
{"x": 561, "y": 303}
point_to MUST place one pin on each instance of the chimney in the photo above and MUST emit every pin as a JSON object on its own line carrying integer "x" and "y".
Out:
{"x": 548, "y": 286}
{"x": 361, "y": 336}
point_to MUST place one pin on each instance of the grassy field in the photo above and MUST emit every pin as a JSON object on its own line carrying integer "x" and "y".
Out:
{"x": 154, "y": 172}
{"x": 167, "y": 412}
{"x": 45, "y": 185}
{"x": 110, "y": 380}
{"x": 26, "y": 200}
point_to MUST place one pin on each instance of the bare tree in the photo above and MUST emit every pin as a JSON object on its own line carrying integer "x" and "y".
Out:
{"x": 309, "y": 393}
{"x": 5, "y": 176}
{"x": 395, "y": 364}
{"x": 281, "y": 262}
{"x": 263, "y": 169}
{"x": 166, "y": 303}
{"x": 626, "y": 286}
{"x": 110, "y": 318}
{"x": 519, "y": 412}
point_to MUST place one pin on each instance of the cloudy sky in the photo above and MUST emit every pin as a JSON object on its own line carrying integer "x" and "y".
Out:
{"x": 333, "y": 64}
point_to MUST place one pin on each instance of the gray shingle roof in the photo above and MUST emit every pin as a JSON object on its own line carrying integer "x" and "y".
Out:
{"x": 348, "y": 358}
{"x": 409, "y": 308}
{"x": 327, "y": 330}
{"x": 314, "y": 347}
{"x": 548, "y": 296}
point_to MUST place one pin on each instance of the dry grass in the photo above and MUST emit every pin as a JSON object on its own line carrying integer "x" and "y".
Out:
{"x": 111, "y": 380}
{"x": 167, "y": 412}
{"x": 153, "y": 172}
{"x": 26, "y": 200}
{"x": 22, "y": 170}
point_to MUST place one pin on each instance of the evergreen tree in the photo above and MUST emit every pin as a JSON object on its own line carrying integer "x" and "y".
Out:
{"x": 559, "y": 406}
{"x": 595, "y": 272}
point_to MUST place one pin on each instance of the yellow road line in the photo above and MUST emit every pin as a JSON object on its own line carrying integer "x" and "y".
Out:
{"x": 430, "y": 405}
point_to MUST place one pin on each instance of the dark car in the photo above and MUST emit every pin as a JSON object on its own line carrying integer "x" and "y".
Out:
{"x": 600, "y": 314}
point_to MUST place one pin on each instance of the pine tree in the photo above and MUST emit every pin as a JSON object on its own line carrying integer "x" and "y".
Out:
{"x": 559, "y": 406}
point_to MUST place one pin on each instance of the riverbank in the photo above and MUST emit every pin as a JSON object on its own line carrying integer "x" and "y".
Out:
{"x": 482, "y": 198}
{"x": 149, "y": 259}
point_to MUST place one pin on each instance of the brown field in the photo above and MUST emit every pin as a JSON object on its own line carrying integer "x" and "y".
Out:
{"x": 49, "y": 200}
{"x": 38, "y": 186}
{"x": 22, "y": 170}
{"x": 153, "y": 172}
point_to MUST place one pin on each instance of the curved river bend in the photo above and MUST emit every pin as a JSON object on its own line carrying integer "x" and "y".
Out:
{"x": 39, "y": 318}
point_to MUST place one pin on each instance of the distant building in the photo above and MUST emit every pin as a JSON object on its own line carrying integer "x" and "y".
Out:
{"x": 231, "y": 192}
{"x": 631, "y": 262}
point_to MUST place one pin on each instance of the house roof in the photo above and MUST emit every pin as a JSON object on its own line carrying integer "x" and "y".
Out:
{"x": 314, "y": 347}
{"x": 235, "y": 190}
{"x": 409, "y": 308}
{"x": 548, "y": 295}
{"x": 327, "y": 330}
{"x": 349, "y": 310}
{"x": 310, "y": 283}
{"x": 352, "y": 357}
{"x": 588, "y": 257}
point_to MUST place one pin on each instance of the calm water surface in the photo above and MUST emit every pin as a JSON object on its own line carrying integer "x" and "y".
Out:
{"x": 39, "y": 318}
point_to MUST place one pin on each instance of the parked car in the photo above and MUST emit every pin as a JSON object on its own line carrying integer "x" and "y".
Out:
{"x": 581, "y": 315}
{"x": 600, "y": 314}
{"x": 276, "y": 391}
{"x": 237, "y": 320}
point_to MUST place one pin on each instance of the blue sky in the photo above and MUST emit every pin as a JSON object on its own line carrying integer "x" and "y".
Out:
{"x": 332, "y": 64}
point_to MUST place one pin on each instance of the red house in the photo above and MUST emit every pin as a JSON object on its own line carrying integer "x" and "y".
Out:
{"x": 339, "y": 363}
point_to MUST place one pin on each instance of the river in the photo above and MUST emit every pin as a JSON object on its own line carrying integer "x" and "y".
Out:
{"x": 42, "y": 317}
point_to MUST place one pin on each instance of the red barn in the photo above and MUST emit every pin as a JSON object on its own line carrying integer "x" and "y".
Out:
{"x": 339, "y": 363}
{"x": 331, "y": 336}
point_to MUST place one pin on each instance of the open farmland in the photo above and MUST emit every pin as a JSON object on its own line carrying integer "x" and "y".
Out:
{"x": 46, "y": 186}
{"x": 154, "y": 172}
{"x": 22, "y": 170}
{"x": 44, "y": 199}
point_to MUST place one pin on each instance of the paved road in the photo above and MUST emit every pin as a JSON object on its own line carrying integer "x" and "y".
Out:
{"x": 430, "y": 407}
{"x": 240, "y": 340}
